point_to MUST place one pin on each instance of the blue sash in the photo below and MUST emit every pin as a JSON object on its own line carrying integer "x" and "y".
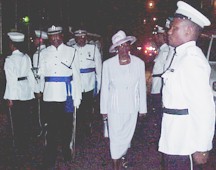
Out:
{"x": 87, "y": 70}
{"x": 95, "y": 89}
{"x": 69, "y": 107}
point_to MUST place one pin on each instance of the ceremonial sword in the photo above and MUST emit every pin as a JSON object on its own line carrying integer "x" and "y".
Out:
{"x": 12, "y": 127}
{"x": 73, "y": 139}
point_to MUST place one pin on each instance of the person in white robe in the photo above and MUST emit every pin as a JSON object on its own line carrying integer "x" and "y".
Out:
{"x": 123, "y": 94}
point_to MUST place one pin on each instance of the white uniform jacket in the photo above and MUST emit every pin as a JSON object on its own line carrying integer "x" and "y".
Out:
{"x": 35, "y": 63}
{"x": 18, "y": 66}
{"x": 89, "y": 57}
{"x": 59, "y": 62}
{"x": 158, "y": 69}
{"x": 186, "y": 86}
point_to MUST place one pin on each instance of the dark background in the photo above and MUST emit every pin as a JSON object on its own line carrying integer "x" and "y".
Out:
{"x": 104, "y": 17}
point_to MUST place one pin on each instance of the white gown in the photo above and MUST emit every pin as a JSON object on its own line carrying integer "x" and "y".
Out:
{"x": 123, "y": 95}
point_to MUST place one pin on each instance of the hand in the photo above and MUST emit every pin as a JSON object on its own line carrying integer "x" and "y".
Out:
{"x": 142, "y": 115}
{"x": 200, "y": 157}
{"x": 10, "y": 103}
{"x": 104, "y": 116}
{"x": 38, "y": 95}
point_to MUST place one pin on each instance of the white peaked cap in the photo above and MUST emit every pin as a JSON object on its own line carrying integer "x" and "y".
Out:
{"x": 168, "y": 22}
{"x": 41, "y": 34}
{"x": 160, "y": 29}
{"x": 16, "y": 36}
{"x": 192, "y": 14}
{"x": 54, "y": 30}
{"x": 80, "y": 33}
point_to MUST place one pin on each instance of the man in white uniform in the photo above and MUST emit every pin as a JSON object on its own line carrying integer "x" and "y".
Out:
{"x": 19, "y": 90}
{"x": 60, "y": 83}
{"x": 40, "y": 45}
{"x": 160, "y": 39}
{"x": 90, "y": 66}
{"x": 188, "y": 121}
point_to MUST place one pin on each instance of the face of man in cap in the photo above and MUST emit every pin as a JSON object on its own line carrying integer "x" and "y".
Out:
{"x": 38, "y": 41}
{"x": 160, "y": 38}
{"x": 81, "y": 40}
{"x": 179, "y": 33}
{"x": 56, "y": 39}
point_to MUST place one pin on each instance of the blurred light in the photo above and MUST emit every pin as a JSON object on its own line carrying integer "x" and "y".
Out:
{"x": 151, "y": 4}
{"x": 149, "y": 50}
{"x": 139, "y": 48}
{"x": 144, "y": 21}
{"x": 154, "y": 18}
{"x": 26, "y": 19}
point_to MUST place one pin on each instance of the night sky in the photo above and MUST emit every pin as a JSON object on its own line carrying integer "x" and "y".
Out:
{"x": 94, "y": 15}
{"x": 104, "y": 17}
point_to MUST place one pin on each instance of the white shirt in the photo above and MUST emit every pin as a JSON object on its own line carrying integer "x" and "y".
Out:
{"x": 158, "y": 68}
{"x": 186, "y": 86}
{"x": 89, "y": 57}
{"x": 18, "y": 65}
{"x": 55, "y": 62}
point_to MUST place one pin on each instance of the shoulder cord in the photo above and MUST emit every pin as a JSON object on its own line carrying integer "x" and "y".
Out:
{"x": 167, "y": 69}
{"x": 73, "y": 58}
{"x": 70, "y": 67}
{"x": 171, "y": 60}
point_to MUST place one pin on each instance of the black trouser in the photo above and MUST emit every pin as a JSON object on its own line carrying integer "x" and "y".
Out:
{"x": 178, "y": 162}
{"x": 60, "y": 126}
{"x": 84, "y": 116}
{"x": 22, "y": 123}
{"x": 156, "y": 101}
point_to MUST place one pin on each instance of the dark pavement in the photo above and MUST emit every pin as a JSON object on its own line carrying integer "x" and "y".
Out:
{"x": 93, "y": 154}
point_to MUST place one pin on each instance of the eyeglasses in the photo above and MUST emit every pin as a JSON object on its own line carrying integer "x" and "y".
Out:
{"x": 124, "y": 45}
